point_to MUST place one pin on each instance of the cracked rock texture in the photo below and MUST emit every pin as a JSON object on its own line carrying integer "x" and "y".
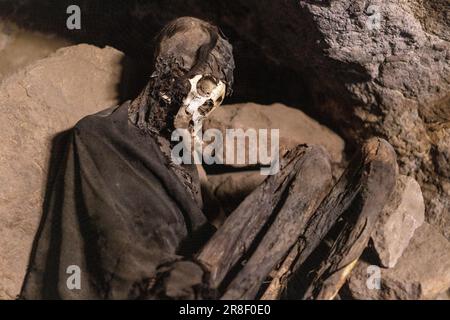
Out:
{"x": 401, "y": 216}
{"x": 391, "y": 79}
{"x": 38, "y": 102}
{"x": 423, "y": 271}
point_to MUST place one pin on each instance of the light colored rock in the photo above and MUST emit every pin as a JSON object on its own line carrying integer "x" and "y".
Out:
{"x": 37, "y": 102}
{"x": 295, "y": 128}
{"x": 401, "y": 216}
{"x": 423, "y": 271}
{"x": 294, "y": 125}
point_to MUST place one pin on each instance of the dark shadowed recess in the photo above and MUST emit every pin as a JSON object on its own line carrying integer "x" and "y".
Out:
{"x": 131, "y": 27}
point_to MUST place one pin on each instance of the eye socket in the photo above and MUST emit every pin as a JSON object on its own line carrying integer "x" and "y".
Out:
{"x": 206, "y": 85}
{"x": 206, "y": 107}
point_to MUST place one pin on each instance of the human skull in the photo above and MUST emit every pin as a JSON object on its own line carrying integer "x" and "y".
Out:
{"x": 205, "y": 95}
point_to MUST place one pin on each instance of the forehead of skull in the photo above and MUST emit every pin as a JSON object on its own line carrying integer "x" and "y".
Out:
{"x": 182, "y": 40}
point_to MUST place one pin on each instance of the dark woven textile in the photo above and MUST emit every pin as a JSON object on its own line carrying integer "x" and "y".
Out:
{"x": 118, "y": 213}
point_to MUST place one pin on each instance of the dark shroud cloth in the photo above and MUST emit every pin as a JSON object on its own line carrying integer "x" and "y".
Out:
{"x": 118, "y": 213}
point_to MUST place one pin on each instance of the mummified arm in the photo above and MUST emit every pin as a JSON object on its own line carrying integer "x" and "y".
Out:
{"x": 357, "y": 198}
{"x": 288, "y": 216}
{"x": 267, "y": 223}
{"x": 358, "y": 223}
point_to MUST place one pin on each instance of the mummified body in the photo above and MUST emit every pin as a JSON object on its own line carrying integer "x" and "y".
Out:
{"x": 118, "y": 208}
{"x": 132, "y": 221}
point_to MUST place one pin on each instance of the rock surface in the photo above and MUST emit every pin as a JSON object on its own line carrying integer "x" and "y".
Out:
{"x": 389, "y": 78}
{"x": 400, "y": 218}
{"x": 38, "y": 102}
{"x": 423, "y": 271}
{"x": 294, "y": 125}
{"x": 372, "y": 68}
